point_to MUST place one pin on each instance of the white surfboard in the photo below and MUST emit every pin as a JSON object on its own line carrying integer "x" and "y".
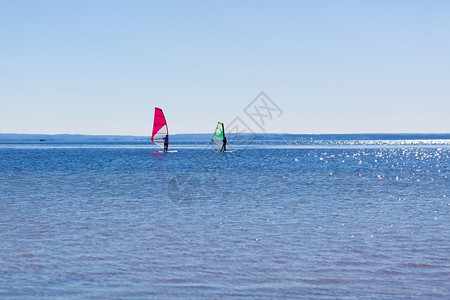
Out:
{"x": 170, "y": 151}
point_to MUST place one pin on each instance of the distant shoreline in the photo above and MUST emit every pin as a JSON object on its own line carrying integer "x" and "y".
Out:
{"x": 11, "y": 137}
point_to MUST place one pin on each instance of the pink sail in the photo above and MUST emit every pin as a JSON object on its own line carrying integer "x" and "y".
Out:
{"x": 160, "y": 129}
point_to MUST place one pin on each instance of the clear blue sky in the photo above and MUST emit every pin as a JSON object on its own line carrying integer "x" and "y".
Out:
{"x": 100, "y": 67}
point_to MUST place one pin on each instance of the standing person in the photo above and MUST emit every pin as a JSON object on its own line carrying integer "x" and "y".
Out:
{"x": 224, "y": 145}
{"x": 166, "y": 143}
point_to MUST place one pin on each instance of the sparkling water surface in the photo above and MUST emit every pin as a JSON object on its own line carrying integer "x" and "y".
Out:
{"x": 308, "y": 220}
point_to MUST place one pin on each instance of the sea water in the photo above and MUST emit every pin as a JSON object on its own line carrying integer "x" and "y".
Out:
{"x": 318, "y": 219}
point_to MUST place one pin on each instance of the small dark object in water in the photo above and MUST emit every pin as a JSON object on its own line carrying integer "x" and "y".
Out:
{"x": 41, "y": 140}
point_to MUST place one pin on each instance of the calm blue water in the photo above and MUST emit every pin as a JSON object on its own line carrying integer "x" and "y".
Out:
{"x": 333, "y": 220}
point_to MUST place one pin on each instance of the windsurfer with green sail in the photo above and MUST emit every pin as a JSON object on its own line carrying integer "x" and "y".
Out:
{"x": 219, "y": 137}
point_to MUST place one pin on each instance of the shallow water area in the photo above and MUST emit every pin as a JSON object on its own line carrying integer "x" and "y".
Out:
{"x": 331, "y": 219}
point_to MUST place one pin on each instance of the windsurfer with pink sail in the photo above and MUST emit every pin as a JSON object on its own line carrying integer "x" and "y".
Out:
{"x": 160, "y": 134}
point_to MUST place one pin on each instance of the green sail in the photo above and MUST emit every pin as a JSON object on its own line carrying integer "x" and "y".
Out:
{"x": 219, "y": 134}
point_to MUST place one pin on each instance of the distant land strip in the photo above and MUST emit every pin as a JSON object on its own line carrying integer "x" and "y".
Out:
{"x": 11, "y": 137}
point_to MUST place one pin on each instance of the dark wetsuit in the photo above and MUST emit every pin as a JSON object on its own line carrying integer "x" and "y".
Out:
{"x": 224, "y": 146}
{"x": 166, "y": 143}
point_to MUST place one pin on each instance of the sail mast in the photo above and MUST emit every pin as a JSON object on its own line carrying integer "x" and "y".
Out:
{"x": 223, "y": 129}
